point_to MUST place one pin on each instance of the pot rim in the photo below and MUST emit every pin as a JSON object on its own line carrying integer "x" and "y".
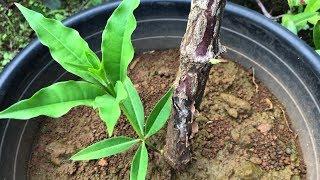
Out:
{"x": 312, "y": 60}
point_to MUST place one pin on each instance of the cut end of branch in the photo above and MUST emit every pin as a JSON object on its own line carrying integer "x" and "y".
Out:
{"x": 177, "y": 154}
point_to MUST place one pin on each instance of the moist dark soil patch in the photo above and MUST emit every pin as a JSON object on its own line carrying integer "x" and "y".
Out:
{"x": 241, "y": 131}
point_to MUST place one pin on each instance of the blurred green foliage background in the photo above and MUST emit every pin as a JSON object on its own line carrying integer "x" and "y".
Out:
{"x": 15, "y": 32}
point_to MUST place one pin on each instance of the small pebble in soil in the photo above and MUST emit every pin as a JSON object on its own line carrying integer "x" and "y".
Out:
{"x": 102, "y": 162}
{"x": 264, "y": 128}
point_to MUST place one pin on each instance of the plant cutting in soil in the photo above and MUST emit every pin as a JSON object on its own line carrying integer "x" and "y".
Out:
{"x": 107, "y": 88}
{"x": 238, "y": 133}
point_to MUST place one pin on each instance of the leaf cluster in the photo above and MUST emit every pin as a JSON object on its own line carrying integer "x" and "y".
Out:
{"x": 304, "y": 15}
{"x": 104, "y": 85}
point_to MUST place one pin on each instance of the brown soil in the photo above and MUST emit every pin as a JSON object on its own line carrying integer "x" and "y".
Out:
{"x": 242, "y": 133}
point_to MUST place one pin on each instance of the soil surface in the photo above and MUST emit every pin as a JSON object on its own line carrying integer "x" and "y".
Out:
{"x": 241, "y": 131}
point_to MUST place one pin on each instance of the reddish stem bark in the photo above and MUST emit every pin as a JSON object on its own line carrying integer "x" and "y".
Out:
{"x": 200, "y": 44}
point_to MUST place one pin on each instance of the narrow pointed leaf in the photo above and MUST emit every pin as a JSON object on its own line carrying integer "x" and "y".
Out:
{"x": 105, "y": 148}
{"x": 301, "y": 20}
{"x": 316, "y": 35}
{"x": 65, "y": 44}
{"x": 117, "y": 49}
{"x": 312, "y": 6}
{"x": 302, "y": 17}
{"x": 133, "y": 108}
{"x": 159, "y": 115}
{"x": 109, "y": 107}
{"x": 139, "y": 166}
{"x": 55, "y": 100}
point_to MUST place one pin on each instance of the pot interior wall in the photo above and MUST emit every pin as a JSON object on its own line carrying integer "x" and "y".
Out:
{"x": 249, "y": 40}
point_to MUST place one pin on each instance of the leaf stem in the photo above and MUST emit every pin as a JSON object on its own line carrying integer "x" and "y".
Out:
{"x": 265, "y": 12}
{"x": 152, "y": 147}
{"x": 109, "y": 90}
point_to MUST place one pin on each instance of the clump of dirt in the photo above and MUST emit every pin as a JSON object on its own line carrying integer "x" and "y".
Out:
{"x": 242, "y": 131}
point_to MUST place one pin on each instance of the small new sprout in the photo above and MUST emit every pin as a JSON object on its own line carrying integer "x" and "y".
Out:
{"x": 217, "y": 61}
{"x": 105, "y": 85}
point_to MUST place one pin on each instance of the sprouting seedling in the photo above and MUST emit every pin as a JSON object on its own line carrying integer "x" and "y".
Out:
{"x": 215, "y": 61}
{"x": 105, "y": 85}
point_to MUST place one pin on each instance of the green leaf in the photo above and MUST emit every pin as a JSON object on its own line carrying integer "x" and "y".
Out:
{"x": 120, "y": 91}
{"x": 105, "y": 148}
{"x": 55, "y": 100}
{"x": 109, "y": 107}
{"x": 215, "y": 61}
{"x": 312, "y": 6}
{"x": 289, "y": 24}
{"x": 301, "y": 20}
{"x": 117, "y": 49}
{"x": 133, "y": 108}
{"x": 313, "y": 20}
{"x": 139, "y": 164}
{"x": 318, "y": 51}
{"x": 100, "y": 76}
{"x": 293, "y": 3}
{"x": 316, "y": 35}
{"x": 160, "y": 114}
{"x": 290, "y": 3}
{"x": 109, "y": 111}
{"x": 65, "y": 44}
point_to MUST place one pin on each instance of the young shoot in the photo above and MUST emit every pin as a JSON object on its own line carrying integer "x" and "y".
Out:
{"x": 104, "y": 85}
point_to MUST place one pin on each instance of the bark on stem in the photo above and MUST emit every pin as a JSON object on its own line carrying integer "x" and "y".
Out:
{"x": 200, "y": 44}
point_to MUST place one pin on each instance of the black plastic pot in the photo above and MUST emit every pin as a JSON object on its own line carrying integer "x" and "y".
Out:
{"x": 284, "y": 63}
